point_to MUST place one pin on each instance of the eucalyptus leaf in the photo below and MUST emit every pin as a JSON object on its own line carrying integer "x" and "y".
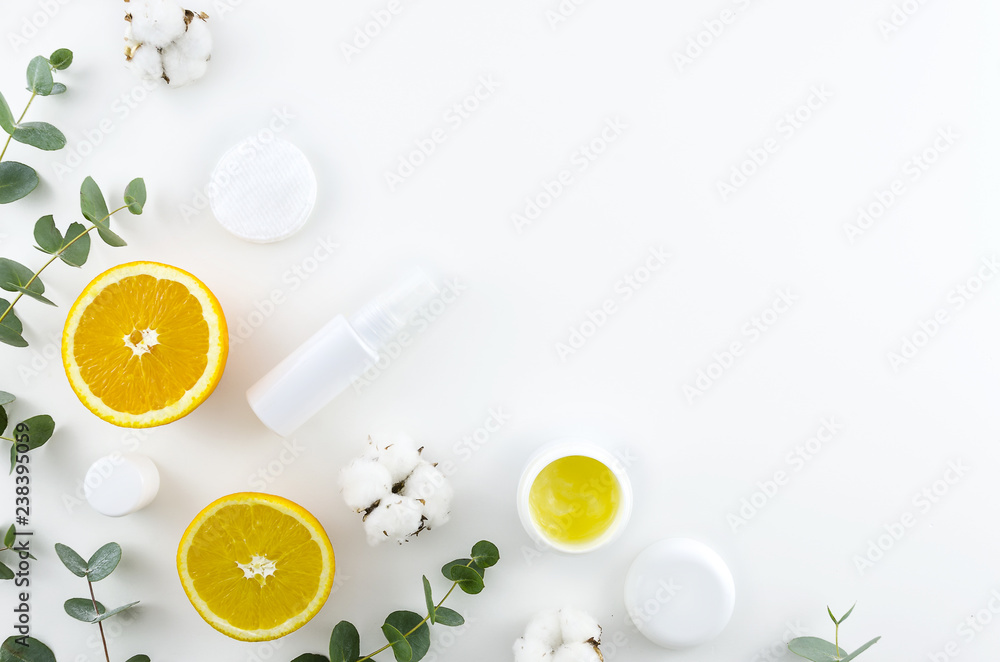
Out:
{"x": 73, "y": 561}
{"x": 345, "y": 643}
{"x": 414, "y": 631}
{"x": 47, "y": 235}
{"x": 13, "y": 457}
{"x": 429, "y": 599}
{"x": 116, "y": 610}
{"x": 15, "y": 277}
{"x": 6, "y": 117}
{"x": 10, "y": 326}
{"x": 832, "y": 617}
{"x": 31, "y": 291}
{"x": 3, "y": 420}
{"x": 861, "y": 650}
{"x": 5, "y": 397}
{"x": 31, "y": 650}
{"x": 844, "y": 617}
{"x": 135, "y": 195}
{"x": 42, "y": 135}
{"x": 401, "y": 649}
{"x": 57, "y": 88}
{"x": 76, "y": 250}
{"x": 10, "y": 536}
{"x": 39, "y": 430}
{"x": 5, "y": 572}
{"x": 312, "y": 657}
{"x": 82, "y": 609}
{"x": 104, "y": 561}
{"x": 468, "y": 579}
{"x": 449, "y": 617}
{"x": 92, "y": 203}
{"x": 39, "y": 76}
{"x": 109, "y": 237}
{"x": 138, "y": 658}
{"x": 61, "y": 59}
{"x": 461, "y": 563}
{"x": 816, "y": 649}
{"x": 485, "y": 554}
{"x": 16, "y": 181}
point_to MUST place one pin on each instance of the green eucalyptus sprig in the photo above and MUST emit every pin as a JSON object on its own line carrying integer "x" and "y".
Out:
{"x": 31, "y": 432}
{"x": 406, "y": 632}
{"x": 820, "y": 650}
{"x": 89, "y": 610}
{"x": 16, "y": 179}
{"x": 73, "y": 248}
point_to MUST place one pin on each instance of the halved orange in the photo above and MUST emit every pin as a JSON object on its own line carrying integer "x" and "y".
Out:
{"x": 256, "y": 566}
{"x": 144, "y": 344}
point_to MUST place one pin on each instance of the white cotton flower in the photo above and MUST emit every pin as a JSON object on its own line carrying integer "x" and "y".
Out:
{"x": 577, "y": 652}
{"x": 399, "y": 493}
{"x": 400, "y": 458}
{"x": 156, "y": 22}
{"x": 427, "y": 483}
{"x": 566, "y": 635}
{"x": 578, "y": 625}
{"x": 396, "y": 518}
{"x": 179, "y": 38}
{"x": 363, "y": 483}
{"x": 529, "y": 650}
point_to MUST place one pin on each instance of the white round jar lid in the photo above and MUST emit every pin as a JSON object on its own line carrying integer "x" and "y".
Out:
{"x": 679, "y": 593}
{"x": 119, "y": 484}
{"x": 263, "y": 191}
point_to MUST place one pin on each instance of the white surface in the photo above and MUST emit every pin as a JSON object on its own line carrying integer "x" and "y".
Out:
{"x": 567, "y": 448}
{"x": 263, "y": 190}
{"x": 491, "y": 354}
{"x": 679, "y": 593}
{"x": 119, "y": 484}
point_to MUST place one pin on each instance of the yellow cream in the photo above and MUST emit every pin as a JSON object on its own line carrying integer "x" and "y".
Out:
{"x": 574, "y": 499}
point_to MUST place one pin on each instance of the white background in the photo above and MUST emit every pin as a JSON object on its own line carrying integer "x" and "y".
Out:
{"x": 496, "y": 347}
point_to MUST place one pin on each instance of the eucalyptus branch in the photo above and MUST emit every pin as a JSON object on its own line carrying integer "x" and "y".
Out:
{"x": 89, "y": 610}
{"x": 820, "y": 650}
{"x": 407, "y": 634}
{"x": 16, "y": 179}
{"x": 73, "y": 248}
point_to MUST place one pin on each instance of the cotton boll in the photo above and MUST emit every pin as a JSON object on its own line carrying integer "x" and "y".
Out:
{"x": 178, "y": 69}
{"x": 578, "y": 626}
{"x": 400, "y": 458}
{"x": 196, "y": 43}
{"x": 363, "y": 482}
{"x": 531, "y": 650}
{"x": 577, "y": 652}
{"x": 545, "y": 628}
{"x": 144, "y": 61}
{"x": 156, "y": 22}
{"x": 426, "y": 482}
{"x": 395, "y": 518}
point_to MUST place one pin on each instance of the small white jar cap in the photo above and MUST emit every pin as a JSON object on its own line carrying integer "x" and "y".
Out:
{"x": 263, "y": 191}
{"x": 679, "y": 593}
{"x": 121, "y": 483}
